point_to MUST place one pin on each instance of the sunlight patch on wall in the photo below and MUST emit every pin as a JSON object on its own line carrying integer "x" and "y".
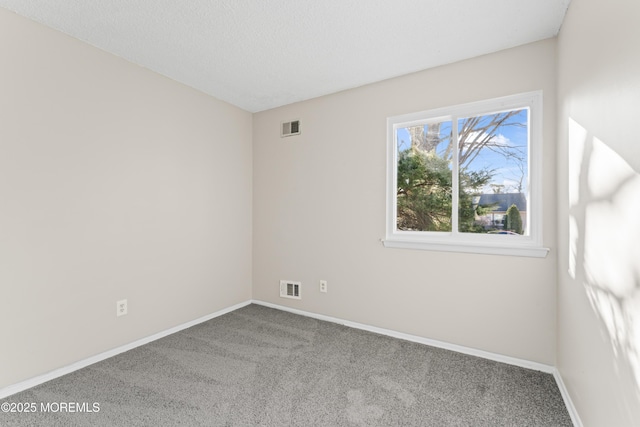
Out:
{"x": 604, "y": 240}
{"x": 573, "y": 245}
{"x": 612, "y": 254}
{"x": 577, "y": 141}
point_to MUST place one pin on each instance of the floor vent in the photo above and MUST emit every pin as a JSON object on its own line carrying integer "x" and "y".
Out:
{"x": 289, "y": 289}
{"x": 290, "y": 128}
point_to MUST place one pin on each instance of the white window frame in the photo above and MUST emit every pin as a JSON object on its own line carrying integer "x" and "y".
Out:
{"x": 529, "y": 245}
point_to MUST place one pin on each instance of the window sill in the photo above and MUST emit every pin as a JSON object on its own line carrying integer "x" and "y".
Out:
{"x": 522, "y": 251}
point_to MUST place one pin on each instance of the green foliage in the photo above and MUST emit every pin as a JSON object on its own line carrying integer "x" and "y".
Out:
{"x": 471, "y": 183}
{"x": 513, "y": 220}
{"x": 424, "y": 193}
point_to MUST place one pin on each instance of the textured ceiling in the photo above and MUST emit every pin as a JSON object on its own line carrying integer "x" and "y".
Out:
{"x": 260, "y": 54}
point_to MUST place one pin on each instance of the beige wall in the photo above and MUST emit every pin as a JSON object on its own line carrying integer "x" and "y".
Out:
{"x": 319, "y": 212}
{"x": 599, "y": 210}
{"x": 115, "y": 183}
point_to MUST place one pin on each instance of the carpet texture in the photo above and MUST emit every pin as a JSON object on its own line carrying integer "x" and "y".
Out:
{"x": 258, "y": 366}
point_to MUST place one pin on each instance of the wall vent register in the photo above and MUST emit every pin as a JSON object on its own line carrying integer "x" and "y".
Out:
{"x": 290, "y": 128}
{"x": 289, "y": 289}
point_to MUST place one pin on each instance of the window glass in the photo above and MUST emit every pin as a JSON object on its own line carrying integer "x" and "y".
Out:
{"x": 424, "y": 177}
{"x": 493, "y": 173}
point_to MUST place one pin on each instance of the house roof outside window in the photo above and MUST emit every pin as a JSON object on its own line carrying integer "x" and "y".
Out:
{"x": 503, "y": 201}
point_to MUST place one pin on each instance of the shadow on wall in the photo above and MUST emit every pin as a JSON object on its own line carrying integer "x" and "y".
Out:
{"x": 604, "y": 241}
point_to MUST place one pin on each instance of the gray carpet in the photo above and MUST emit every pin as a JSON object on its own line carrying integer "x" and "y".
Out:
{"x": 258, "y": 366}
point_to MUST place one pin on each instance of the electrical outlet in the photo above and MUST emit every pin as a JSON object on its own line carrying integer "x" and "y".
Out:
{"x": 121, "y": 307}
{"x": 323, "y": 286}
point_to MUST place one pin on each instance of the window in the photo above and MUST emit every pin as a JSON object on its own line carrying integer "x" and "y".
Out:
{"x": 467, "y": 178}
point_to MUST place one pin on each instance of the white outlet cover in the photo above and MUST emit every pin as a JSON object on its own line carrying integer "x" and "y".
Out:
{"x": 121, "y": 307}
{"x": 323, "y": 286}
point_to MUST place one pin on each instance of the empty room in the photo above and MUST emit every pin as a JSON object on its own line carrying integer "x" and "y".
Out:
{"x": 336, "y": 213}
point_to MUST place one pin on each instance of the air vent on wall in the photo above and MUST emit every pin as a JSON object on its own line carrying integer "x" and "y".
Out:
{"x": 290, "y": 128}
{"x": 289, "y": 289}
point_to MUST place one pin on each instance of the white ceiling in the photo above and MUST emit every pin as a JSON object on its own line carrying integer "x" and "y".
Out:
{"x": 260, "y": 54}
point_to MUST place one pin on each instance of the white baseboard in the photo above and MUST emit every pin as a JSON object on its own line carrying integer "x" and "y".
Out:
{"x": 421, "y": 340}
{"x": 573, "y": 413}
{"x": 32, "y": 382}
